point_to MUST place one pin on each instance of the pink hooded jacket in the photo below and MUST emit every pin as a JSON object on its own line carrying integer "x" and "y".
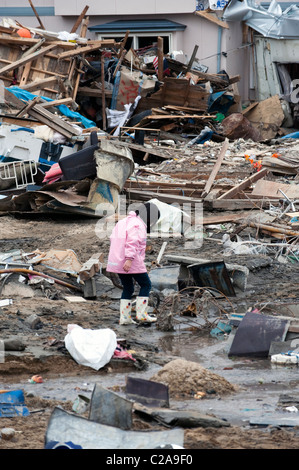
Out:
{"x": 128, "y": 241}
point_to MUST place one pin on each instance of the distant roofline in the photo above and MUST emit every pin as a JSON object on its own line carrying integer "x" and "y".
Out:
{"x": 134, "y": 26}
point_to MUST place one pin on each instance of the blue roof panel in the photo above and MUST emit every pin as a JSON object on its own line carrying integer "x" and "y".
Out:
{"x": 122, "y": 26}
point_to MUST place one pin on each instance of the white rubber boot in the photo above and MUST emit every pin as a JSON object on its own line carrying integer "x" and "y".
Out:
{"x": 141, "y": 311}
{"x": 125, "y": 312}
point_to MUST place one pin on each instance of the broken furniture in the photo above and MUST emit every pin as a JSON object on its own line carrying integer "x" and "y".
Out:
{"x": 81, "y": 164}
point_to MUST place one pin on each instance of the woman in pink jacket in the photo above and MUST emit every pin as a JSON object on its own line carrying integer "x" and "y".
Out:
{"x": 126, "y": 258}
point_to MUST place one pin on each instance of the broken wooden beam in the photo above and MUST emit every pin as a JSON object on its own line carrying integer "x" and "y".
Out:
{"x": 37, "y": 15}
{"x": 94, "y": 46}
{"x": 168, "y": 198}
{"x": 160, "y": 59}
{"x": 79, "y": 19}
{"x": 54, "y": 122}
{"x": 245, "y": 184}
{"x": 216, "y": 168}
{"x": 237, "y": 204}
{"x": 272, "y": 229}
{"x": 49, "y": 104}
{"x": 91, "y": 267}
{"x": 28, "y": 106}
{"x": 40, "y": 84}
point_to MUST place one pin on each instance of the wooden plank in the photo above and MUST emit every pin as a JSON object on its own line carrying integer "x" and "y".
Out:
{"x": 36, "y": 14}
{"x": 25, "y": 74}
{"x": 78, "y": 74}
{"x": 122, "y": 56}
{"x": 168, "y": 198}
{"x": 245, "y": 184}
{"x": 189, "y": 66}
{"x": 160, "y": 59}
{"x": 49, "y": 104}
{"x": 272, "y": 229}
{"x": 176, "y": 92}
{"x": 103, "y": 92}
{"x": 251, "y": 106}
{"x": 39, "y": 84}
{"x": 18, "y": 41}
{"x": 210, "y": 17}
{"x": 215, "y": 169}
{"x": 122, "y": 46}
{"x": 141, "y": 148}
{"x": 236, "y": 204}
{"x": 221, "y": 219}
{"x": 93, "y": 92}
{"x": 174, "y": 116}
{"x": 85, "y": 49}
{"x": 79, "y": 19}
{"x": 24, "y": 60}
{"x": 28, "y": 106}
{"x": 271, "y": 189}
{"x": 34, "y": 47}
{"x": 56, "y": 123}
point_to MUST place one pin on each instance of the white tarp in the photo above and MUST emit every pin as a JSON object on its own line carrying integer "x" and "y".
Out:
{"x": 91, "y": 348}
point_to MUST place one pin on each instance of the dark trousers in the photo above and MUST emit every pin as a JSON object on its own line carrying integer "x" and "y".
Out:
{"x": 127, "y": 281}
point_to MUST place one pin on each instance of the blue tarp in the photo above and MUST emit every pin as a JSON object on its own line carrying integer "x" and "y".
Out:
{"x": 26, "y": 96}
{"x": 294, "y": 135}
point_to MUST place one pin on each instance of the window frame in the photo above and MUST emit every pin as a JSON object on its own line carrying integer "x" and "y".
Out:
{"x": 136, "y": 35}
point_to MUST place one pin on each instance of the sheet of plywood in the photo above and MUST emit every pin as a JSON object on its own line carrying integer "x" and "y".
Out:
{"x": 264, "y": 188}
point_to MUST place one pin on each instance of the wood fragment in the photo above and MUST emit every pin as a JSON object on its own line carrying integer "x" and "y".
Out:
{"x": 37, "y": 15}
{"x": 80, "y": 19}
{"x": 215, "y": 169}
{"x": 245, "y": 184}
{"x": 160, "y": 59}
{"x": 103, "y": 92}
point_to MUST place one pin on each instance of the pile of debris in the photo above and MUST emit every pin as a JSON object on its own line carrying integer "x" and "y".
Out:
{"x": 69, "y": 103}
{"x": 73, "y": 108}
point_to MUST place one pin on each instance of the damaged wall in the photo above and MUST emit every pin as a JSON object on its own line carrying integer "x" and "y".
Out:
{"x": 269, "y": 53}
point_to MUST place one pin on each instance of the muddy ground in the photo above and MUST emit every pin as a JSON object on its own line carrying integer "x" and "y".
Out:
{"x": 259, "y": 384}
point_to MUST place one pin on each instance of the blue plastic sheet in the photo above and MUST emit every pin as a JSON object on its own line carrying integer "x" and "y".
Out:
{"x": 26, "y": 96}
{"x": 294, "y": 135}
{"x": 13, "y": 404}
{"x": 220, "y": 102}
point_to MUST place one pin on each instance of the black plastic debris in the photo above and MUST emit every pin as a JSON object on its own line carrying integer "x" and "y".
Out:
{"x": 147, "y": 392}
{"x": 256, "y": 333}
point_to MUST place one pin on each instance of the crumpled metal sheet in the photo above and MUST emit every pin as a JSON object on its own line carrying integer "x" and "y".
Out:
{"x": 272, "y": 22}
{"x": 67, "y": 427}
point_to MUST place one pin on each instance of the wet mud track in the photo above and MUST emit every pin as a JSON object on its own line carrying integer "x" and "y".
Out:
{"x": 260, "y": 383}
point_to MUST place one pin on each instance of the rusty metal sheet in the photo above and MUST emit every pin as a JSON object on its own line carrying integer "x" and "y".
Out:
{"x": 109, "y": 408}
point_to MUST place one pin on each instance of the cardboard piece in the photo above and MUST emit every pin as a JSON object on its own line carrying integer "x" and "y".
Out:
{"x": 267, "y": 117}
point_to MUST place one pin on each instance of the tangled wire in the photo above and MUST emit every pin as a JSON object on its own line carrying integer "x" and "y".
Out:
{"x": 191, "y": 304}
